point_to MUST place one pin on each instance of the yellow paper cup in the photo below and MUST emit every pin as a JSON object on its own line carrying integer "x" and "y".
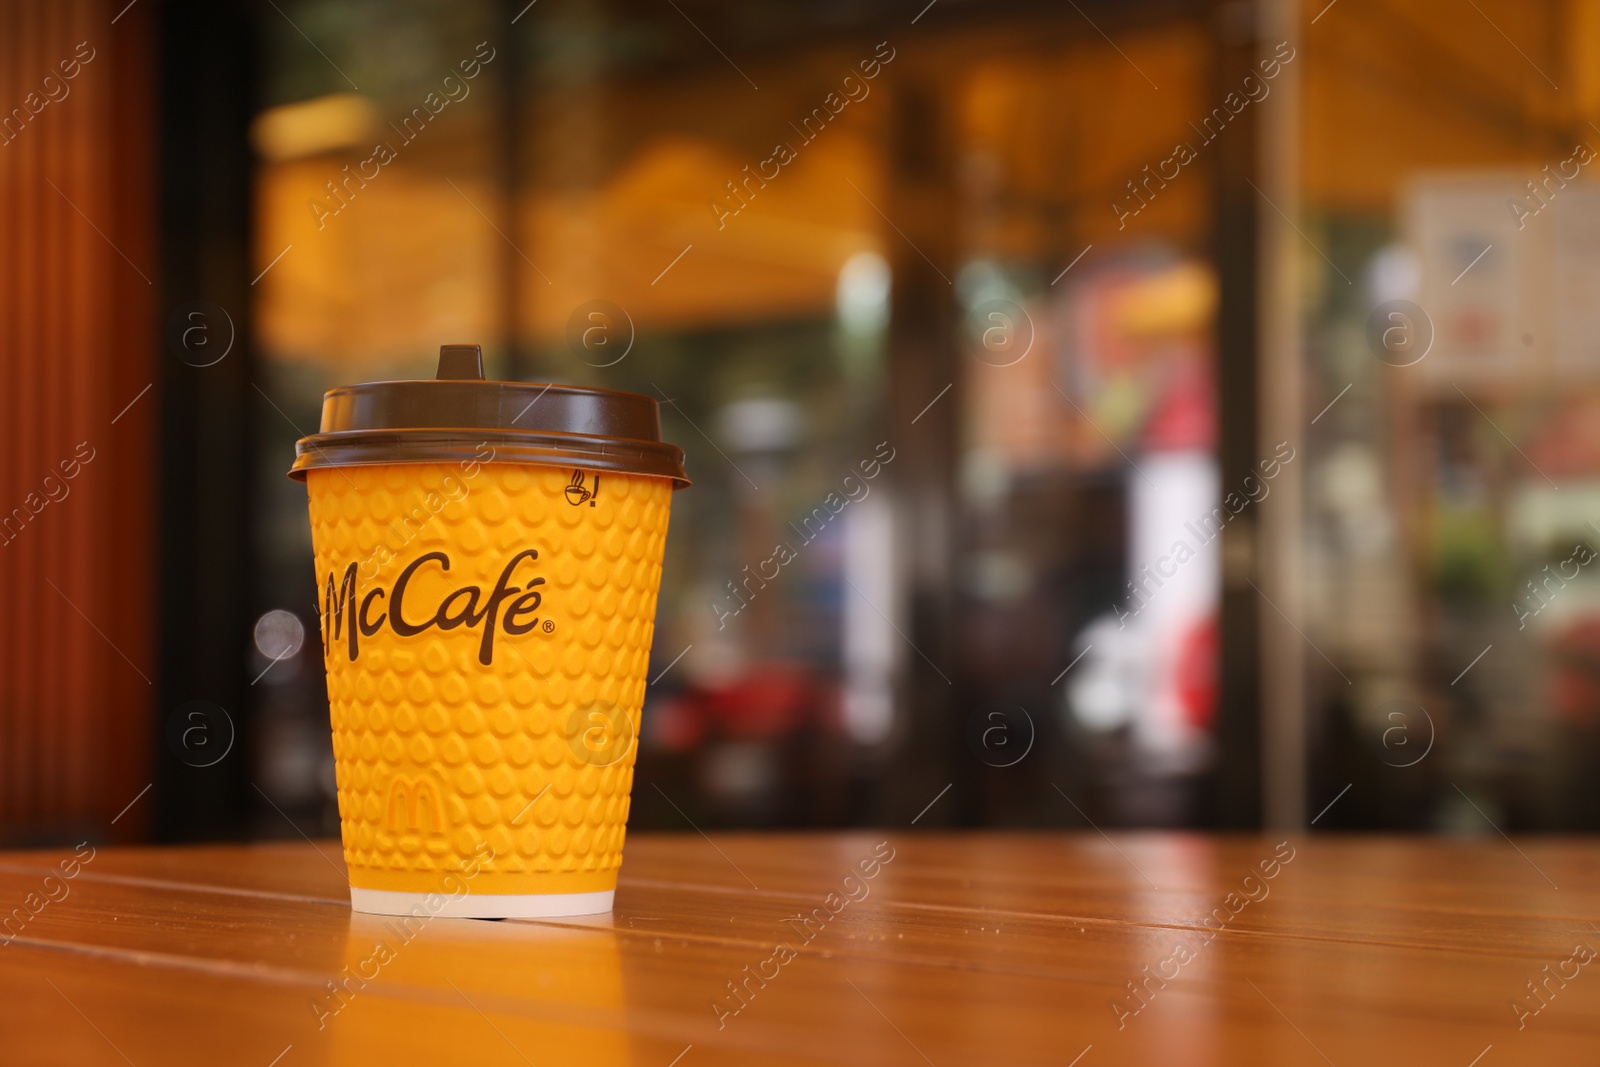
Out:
{"x": 487, "y": 579}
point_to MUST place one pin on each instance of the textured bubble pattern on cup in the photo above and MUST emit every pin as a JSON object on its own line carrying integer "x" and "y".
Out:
{"x": 438, "y": 752}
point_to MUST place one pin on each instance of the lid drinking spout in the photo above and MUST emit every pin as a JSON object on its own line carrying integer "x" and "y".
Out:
{"x": 460, "y": 363}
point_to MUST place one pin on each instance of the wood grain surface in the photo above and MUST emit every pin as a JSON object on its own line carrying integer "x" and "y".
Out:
{"x": 958, "y": 949}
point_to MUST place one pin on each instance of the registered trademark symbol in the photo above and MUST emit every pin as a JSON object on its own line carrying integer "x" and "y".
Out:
{"x": 549, "y": 626}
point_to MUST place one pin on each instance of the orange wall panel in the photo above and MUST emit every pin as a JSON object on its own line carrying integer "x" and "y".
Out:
{"x": 77, "y": 472}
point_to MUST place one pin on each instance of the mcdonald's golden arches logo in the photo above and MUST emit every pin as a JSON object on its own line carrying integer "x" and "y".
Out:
{"x": 411, "y": 801}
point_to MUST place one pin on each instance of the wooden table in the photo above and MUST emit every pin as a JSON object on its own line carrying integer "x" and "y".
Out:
{"x": 960, "y": 949}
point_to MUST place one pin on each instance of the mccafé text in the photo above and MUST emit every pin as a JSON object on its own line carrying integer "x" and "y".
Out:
{"x": 464, "y": 606}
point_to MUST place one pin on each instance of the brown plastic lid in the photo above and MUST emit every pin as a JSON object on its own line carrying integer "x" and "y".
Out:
{"x": 452, "y": 416}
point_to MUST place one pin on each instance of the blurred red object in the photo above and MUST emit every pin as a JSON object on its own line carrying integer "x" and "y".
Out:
{"x": 1197, "y": 673}
{"x": 1185, "y": 415}
{"x": 1567, "y": 441}
{"x": 1575, "y": 672}
{"x": 771, "y": 700}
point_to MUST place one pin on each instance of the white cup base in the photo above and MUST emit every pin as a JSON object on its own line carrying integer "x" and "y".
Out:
{"x": 481, "y": 905}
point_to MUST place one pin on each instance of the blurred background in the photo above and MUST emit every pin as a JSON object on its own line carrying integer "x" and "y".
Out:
{"x": 1171, "y": 414}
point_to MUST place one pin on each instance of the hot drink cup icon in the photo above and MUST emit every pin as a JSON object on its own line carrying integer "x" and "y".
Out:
{"x": 578, "y": 494}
